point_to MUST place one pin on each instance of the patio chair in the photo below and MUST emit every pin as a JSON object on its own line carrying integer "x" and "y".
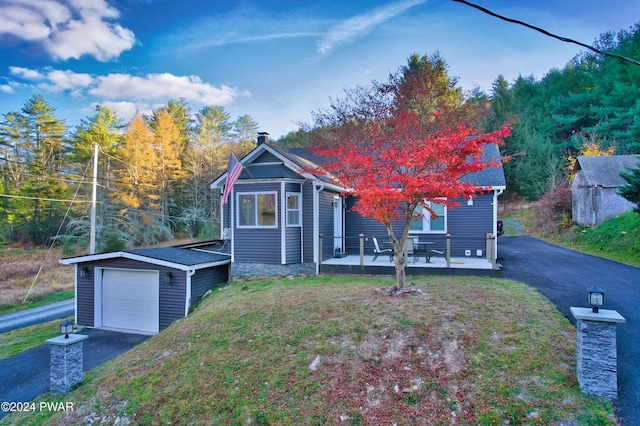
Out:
{"x": 434, "y": 252}
{"x": 377, "y": 251}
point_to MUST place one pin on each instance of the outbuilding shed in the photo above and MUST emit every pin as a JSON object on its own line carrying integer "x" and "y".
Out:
{"x": 144, "y": 290}
{"x": 594, "y": 191}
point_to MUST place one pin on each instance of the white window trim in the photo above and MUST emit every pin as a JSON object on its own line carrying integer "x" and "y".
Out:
{"x": 256, "y": 193}
{"x": 299, "y": 209}
{"x": 426, "y": 223}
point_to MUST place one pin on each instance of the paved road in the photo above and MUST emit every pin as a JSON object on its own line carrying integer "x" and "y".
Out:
{"x": 26, "y": 375}
{"x": 50, "y": 312}
{"x": 564, "y": 276}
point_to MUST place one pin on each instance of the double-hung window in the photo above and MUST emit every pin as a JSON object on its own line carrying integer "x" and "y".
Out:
{"x": 293, "y": 209}
{"x": 257, "y": 210}
{"x": 427, "y": 224}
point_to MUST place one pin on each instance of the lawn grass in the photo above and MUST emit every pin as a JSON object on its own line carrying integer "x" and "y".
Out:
{"x": 617, "y": 238}
{"x": 17, "y": 341}
{"x": 460, "y": 351}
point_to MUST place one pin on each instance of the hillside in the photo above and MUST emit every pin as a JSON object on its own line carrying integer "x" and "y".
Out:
{"x": 331, "y": 350}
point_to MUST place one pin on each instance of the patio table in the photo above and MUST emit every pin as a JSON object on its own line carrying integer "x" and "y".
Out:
{"x": 422, "y": 247}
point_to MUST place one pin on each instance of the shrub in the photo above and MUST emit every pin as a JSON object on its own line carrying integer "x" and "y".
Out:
{"x": 554, "y": 210}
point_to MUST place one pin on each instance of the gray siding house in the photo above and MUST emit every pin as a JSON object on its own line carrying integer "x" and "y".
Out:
{"x": 277, "y": 211}
{"x": 144, "y": 290}
{"x": 594, "y": 189}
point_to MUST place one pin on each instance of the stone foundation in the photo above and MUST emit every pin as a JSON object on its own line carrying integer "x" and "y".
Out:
{"x": 266, "y": 269}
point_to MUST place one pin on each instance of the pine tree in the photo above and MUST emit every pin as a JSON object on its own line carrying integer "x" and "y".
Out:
{"x": 41, "y": 139}
{"x": 104, "y": 129}
{"x": 631, "y": 191}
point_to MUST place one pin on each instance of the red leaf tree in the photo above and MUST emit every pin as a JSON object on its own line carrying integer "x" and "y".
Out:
{"x": 402, "y": 144}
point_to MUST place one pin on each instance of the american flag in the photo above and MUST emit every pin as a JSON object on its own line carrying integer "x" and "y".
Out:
{"x": 233, "y": 173}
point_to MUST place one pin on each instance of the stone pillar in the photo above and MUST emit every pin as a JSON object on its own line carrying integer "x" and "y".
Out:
{"x": 597, "y": 363}
{"x": 66, "y": 362}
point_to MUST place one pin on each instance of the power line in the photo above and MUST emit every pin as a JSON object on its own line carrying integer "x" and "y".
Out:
{"x": 73, "y": 174}
{"x": 44, "y": 199}
{"x": 547, "y": 33}
{"x": 66, "y": 214}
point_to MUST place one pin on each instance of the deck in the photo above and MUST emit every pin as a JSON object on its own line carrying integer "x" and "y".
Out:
{"x": 437, "y": 266}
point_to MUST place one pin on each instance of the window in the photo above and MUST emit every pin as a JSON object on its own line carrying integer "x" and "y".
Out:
{"x": 257, "y": 210}
{"x": 293, "y": 209}
{"x": 427, "y": 224}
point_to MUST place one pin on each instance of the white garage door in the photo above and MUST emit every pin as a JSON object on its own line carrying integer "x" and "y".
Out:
{"x": 130, "y": 300}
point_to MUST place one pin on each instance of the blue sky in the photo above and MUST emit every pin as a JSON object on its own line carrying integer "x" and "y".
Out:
{"x": 275, "y": 60}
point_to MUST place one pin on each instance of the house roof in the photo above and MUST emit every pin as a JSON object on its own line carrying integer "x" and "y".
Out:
{"x": 605, "y": 170}
{"x": 491, "y": 176}
{"x": 268, "y": 171}
{"x": 172, "y": 257}
{"x": 298, "y": 161}
{"x": 294, "y": 166}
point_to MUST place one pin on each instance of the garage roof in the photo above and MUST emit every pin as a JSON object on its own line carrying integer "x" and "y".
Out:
{"x": 172, "y": 257}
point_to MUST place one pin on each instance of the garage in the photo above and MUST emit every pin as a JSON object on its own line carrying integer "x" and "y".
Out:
{"x": 145, "y": 290}
{"x": 130, "y": 300}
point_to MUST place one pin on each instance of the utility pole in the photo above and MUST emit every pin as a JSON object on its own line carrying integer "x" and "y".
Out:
{"x": 92, "y": 237}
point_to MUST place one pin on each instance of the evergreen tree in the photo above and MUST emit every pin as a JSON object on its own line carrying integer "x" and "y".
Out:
{"x": 104, "y": 129}
{"x": 502, "y": 104}
{"x": 15, "y": 155}
{"x": 631, "y": 191}
{"x": 37, "y": 140}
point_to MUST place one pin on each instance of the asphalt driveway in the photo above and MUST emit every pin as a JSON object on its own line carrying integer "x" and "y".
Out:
{"x": 563, "y": 276}
{"x": 58, "y": 310}
{"x": 26, "y": 375}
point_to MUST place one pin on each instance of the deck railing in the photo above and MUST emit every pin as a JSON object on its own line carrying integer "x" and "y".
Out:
{"x": 489, "y": 248}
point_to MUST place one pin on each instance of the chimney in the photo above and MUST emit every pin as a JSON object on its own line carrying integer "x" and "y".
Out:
{"x": 263, "y": 137}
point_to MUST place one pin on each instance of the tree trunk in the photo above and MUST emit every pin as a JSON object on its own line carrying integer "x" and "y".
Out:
{"x": 401, "y": 277}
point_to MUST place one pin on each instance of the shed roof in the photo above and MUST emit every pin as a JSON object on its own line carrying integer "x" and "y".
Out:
{"x": 605, "y": 170}
{"x": 172, "y": 257}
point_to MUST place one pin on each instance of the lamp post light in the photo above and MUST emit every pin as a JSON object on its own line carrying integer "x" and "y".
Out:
{"x": 596, "y": 342}
{"x": 595, "y": 296}
{"x": 66, "y": 359}
{"x": 66, "y": 328}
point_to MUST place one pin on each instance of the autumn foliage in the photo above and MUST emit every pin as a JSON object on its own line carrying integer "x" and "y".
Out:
{"x": 390, "y": 179}
{"x": 400, "y": 145}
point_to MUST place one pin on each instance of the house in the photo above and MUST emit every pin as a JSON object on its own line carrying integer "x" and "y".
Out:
{"x": 277, "y": 211}
{"x": 594, "y": 189}
{"x": 144, "y": 290}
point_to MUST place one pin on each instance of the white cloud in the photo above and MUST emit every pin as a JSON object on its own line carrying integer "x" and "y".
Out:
{"x": 162, "y": 86}
{"x": 242, "y": 25}
{"x": 31, "y": 20}
{"x": 6, "y": 88}
{"x": 67, "y": 81}
{"x": 151, "y": 88}
{"x": 26, "y": 74}
{"x": 125, "y": 110}
{"x": 67, "y": 29}
{"x": 352, "y": 28}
